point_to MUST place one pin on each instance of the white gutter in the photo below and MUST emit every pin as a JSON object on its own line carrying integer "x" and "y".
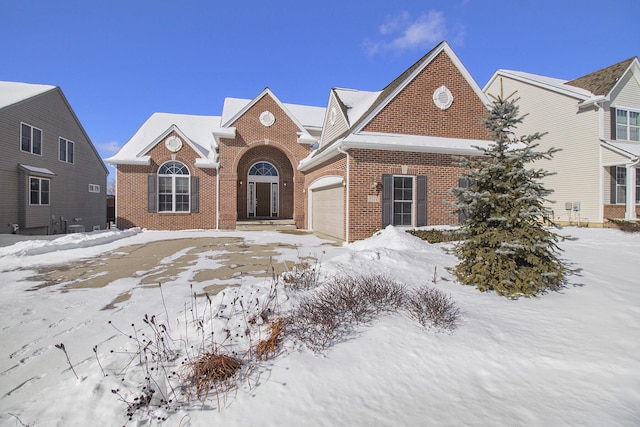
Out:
{"x": 142, "y": 161}
{"x": 341, "y": 150}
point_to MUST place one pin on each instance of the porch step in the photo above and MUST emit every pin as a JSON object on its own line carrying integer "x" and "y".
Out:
{"x": 265, "y": 224}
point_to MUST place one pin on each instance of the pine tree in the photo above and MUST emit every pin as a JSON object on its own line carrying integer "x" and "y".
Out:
{"x": 508, "y": 245}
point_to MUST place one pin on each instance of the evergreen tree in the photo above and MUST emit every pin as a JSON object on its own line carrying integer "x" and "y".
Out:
{"x": 507, "y": 245}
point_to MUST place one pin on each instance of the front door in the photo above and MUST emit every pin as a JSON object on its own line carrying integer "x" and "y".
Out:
{"x": 263, "y": 191}
{"x": 263, "y": 199}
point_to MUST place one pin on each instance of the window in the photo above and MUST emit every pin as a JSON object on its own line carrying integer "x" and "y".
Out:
{"x": 30, "y": 139}
{"x": 263, "y": 169}
{"x": 619, "y": 185}
{"x": 94, "y": 188}
{"x": 402, "y": 200}
{"x": 173, "y": 187}
{"x": 65, "y": 150}
{"x": 627, "y": 125}
{"x": 39, "y": 189}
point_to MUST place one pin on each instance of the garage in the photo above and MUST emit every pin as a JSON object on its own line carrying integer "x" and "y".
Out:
{"x": 327, "y": 207}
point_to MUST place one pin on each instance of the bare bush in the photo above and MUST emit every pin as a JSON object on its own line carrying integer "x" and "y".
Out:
{"x": 320, "y": 319}
{"x": 432, "y": 308}
{"x": 303, "y": 275}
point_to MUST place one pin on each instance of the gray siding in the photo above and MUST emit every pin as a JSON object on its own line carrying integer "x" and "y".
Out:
{"x": 70, "y": 197}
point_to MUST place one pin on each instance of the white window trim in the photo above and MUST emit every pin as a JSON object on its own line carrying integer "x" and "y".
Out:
{"x": 413, "y": 199}
{"x": 39, "y": 191}
{"x": 173, "y": 188}
{"x": 31, "y": 139}
{"x": 66, "y": 150}
{"x": 94, "y": 188}
{"x": 628, "y": 110}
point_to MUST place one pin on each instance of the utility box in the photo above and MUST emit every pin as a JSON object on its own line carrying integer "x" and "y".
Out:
{"x": 76, "y": 228}
{"x": 576, "y": 206}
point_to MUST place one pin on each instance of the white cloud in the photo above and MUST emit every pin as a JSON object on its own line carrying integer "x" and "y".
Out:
{"x": 108, "y": 148}
{"x": 403, "y": 32}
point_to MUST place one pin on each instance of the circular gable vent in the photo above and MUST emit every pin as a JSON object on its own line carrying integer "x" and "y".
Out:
{"x": 442, "y": 98}
{"x": 267, "y": 118}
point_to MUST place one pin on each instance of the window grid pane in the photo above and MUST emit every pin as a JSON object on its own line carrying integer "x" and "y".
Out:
{"x": 173, "y": 187}
{"x": 402, "y": 200}
{"x": 37, "y": 141}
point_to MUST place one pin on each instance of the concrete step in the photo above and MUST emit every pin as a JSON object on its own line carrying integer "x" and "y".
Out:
{"x": 265, "y": 224}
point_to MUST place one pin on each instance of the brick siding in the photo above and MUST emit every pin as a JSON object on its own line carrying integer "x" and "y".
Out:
{"x": 131, "y": 193}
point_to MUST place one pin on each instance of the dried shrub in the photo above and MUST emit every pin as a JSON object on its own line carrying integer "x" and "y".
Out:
{"x": 626, "y": 225}
{"x": 382, "y": 293}
{"x": 268, "y": 347}
{"x": 435, "y": 235}
{"x": 303, "y": 275}
{"x": 433, "y": 308}
{"x": 321, "y": 319}
{"x": 212, "y": 371}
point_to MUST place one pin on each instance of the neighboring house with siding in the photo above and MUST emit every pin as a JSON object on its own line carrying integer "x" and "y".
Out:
{"x": 595, "y": 121}
{"x": 53, "y": 179}
{"x": 366, "y": 160}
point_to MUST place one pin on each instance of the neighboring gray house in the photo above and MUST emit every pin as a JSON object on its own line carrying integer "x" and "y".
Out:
{"x": 53, "y": 180}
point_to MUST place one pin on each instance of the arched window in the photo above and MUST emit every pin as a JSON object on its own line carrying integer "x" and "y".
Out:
{"x": 173, "y": 187}
{"x": 263, "y": 169}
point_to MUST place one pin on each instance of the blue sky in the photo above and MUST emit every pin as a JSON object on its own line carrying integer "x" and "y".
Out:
{"x": 119, "y": 61}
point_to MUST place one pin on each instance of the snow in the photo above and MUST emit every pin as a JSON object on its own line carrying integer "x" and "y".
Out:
{"x": 197, "y": 129}
{"x": 12, "y": 92}
{"x": 564, "y": 358}
{"x": 356, "y": 101}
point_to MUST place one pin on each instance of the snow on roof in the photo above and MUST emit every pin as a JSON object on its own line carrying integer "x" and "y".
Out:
{"x": 308, "y": 116}
{"x": 401, "y": 142}
{"x": 36, "y": 169}
{"x": 12, "y": 92}
{"x": 558, "y": 85}
{"x": 356, "y": 101}
{"x": 198, "y": 129}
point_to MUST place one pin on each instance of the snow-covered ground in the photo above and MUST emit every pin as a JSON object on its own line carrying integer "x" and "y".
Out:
{"x": 566, "y": 358}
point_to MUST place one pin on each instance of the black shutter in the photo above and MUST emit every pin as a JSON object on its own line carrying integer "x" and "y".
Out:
{"x": 463, "y": 182}
{"x": 152, "y": 195}
{"x": 422, "y": 201}
{"x": 612, "y": 111}
{"x": 387, "y": 200}
{"x": 195, "y": 195}
{"x": 612, "y": 172}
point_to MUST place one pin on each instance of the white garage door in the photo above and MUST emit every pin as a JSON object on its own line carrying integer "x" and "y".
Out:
{"x": 328, "y": 210}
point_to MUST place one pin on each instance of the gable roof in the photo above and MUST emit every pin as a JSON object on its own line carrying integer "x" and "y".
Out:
{"x": 360, "y": 107}
{"x": 197, "y": 131}
{"x": 590, "y": 88}
{"x": 400, "y": 82}
{"x": 14, "y": 92}
{"x": 601, "y": 82}
{"x": 307, "y": 118}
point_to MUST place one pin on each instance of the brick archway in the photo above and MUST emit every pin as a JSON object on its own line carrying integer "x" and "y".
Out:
{"x": 285, "y": 181}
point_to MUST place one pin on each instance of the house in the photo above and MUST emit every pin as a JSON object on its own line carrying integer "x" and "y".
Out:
{"x": 52, "y": 177}
{"x": 595, "y": 121}
{"x": 366, "y": 160}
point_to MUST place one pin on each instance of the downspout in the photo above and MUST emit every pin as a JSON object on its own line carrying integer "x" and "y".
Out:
{"x": 218, "y": 197}
{"x": 343, "y": 151}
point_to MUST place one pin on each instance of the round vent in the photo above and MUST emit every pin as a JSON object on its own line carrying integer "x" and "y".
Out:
{"x": 267, "y": 118}
{"x": 442, "y": 98}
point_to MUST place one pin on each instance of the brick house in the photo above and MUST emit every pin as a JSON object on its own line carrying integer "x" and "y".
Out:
{"x": 366, "y": 160}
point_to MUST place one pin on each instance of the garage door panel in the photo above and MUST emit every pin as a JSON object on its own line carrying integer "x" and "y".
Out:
{"x": 328, "y": 211}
